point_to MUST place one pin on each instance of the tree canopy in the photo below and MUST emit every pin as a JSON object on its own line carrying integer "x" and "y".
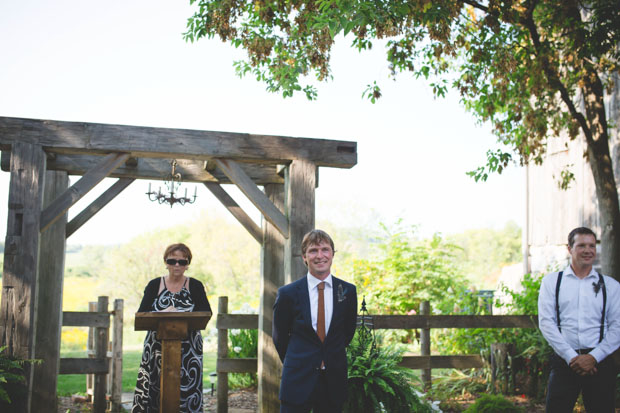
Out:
{"x": 534, "y": 69}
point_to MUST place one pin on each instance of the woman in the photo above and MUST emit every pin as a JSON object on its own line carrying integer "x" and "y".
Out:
{"x": 173, "y": 292}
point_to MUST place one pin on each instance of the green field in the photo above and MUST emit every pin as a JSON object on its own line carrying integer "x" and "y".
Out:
{"x": 69, "y": 384}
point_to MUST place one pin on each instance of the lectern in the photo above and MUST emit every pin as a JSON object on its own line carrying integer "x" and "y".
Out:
{"x": 171, "y": 328}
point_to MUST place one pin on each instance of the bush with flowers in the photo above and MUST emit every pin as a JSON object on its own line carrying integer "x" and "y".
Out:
{"x": 243, "y": 344}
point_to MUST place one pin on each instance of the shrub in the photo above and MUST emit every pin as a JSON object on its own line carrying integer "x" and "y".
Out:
{"x": 489, "y": 403}
{"x": 11, "y": 377}
{"x": 243, "y": 344}
{"x": 531, "y": 351}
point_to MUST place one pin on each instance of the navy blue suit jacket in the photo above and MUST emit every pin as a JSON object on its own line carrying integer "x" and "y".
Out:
{"x": 300, "y": 348}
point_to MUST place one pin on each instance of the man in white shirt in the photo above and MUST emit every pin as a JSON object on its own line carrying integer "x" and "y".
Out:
{"x": 579, "y": 315}
{"x": 314, "y": 319}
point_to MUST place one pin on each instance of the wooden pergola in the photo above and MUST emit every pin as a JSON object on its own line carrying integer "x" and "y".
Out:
{"x": 40, "y": 154}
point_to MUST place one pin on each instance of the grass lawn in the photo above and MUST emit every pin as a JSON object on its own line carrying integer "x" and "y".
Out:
{"x": 76, "y": 383}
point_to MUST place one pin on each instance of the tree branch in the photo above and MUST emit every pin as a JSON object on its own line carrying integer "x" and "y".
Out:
{"x": 476, "y": 5}
{"x": 552, "y": 76}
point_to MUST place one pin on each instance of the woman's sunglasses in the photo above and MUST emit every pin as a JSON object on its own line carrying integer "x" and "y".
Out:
{"x": 172, "y": 261}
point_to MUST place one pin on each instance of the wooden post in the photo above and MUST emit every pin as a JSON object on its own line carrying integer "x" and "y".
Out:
{"x": 500, "y": 369}
{"x": 170, "y": 380}
{"x": 300, "y": 183}
{"x": 117, "y": 357}
{"x": 222, "y": 353}
{"x": 425, "y": 344}
{"x": 272, "y": 277}
{"x": 101, "y": 352}
{"x": 21, "y": 254}
{"x": 91, "y": 353}
{"x": 49, "y": 299}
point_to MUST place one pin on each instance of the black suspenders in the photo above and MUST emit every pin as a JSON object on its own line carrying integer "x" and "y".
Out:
{"x": 557, "y": 303}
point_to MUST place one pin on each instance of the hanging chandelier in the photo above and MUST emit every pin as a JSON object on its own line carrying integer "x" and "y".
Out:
{"x": 172, "y": 182}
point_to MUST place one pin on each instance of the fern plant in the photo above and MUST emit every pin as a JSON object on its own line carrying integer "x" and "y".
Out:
{"x": 376, "y": 382}
{"x": 11, "y": 375}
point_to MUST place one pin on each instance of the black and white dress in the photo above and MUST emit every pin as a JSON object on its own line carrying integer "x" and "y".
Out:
{"x": 191, "y": 298}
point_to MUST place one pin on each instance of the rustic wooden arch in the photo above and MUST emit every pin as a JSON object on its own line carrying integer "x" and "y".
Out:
{"x": 40, "y": 154}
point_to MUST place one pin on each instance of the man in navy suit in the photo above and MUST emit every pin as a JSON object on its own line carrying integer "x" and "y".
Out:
{"x": 314, "y": 320}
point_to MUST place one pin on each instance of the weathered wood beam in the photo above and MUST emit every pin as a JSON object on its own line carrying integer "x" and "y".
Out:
{"x": 453, "y": 321}
{"x": 156, "y": 168}
{"x": 245, "y": 365}
{"x": 48, "y": 308}
{"x": 83, "y": 366}
{"x": 81, "y": 188}
{"x": 272, "y": 277}
{"x": 85, "y": 319}
{"x": 466, "y": 361}
{"x": 146, "y": 142}
{"x": 21, "y": 255}
{"x": 237, "y": 321}
{"x": 236, "y": 211}
{"x": 254, "y": 194}
{"x": 300, "y": 184}
{"x": 97, "y": 205}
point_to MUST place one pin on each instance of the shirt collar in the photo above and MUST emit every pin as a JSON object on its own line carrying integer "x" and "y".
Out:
{"x": 569, "y": 270}
{"x": 313, "y": 281}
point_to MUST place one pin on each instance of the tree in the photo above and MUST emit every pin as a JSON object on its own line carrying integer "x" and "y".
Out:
{"x": 407, "y": 271}
{"x": 484, "y": 251}
{"x": 532, "y": 68}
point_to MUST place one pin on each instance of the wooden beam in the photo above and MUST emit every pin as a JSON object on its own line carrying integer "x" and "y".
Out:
{"x": 254, "y": 194}
{"x": 117, "y": 358}
{"x": 81, "y": 188}
{"x": 102, "y": 335}
{"x": 272, "y": 277}
{"x": 232, "y": 207}
{"x": 97, "y": 205}
{"x": 155, "y": 168}
{"x": 467, "y": 361}
{"x": 453, "y": 321}
{"x": 85, "y": 319}
{"x": 222, "y": 353}
{"x": 143, "y": 142}
{"x": 21, "y": 255}
{"x": 83, "y": 366}
{"x": 48, "y": 310}
{"x": 300, "y": 183}
{"x": 237, "y": 321}
{"x": 226, "y": 365}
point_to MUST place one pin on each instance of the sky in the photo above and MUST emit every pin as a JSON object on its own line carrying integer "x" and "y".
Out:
{"x": 126, "y": 63}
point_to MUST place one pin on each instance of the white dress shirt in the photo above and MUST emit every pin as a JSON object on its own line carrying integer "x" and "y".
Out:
{"x": 580, "y": 314}
{"x": 328, "y": 296}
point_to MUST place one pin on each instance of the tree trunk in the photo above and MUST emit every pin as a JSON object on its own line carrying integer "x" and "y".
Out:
{"x": 600, "y": 161}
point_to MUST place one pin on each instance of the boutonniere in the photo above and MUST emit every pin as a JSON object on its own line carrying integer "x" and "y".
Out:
{"x": 341, "y": 294}
{"x": 597, "y": 287}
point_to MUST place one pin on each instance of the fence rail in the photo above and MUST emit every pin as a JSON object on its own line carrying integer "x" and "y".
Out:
{"x": 425, "y": 323}
{"x": 104, "y": 365}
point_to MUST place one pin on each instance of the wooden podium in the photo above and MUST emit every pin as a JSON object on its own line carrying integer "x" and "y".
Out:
{"x": 171, "y": 328}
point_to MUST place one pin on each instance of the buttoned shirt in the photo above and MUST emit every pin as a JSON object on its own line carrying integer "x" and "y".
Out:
{"x": 328, "y": 299}
{"x": 581, "y": 307}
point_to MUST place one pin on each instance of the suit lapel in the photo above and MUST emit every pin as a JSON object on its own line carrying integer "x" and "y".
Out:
{"x": 304, "y": 299}
{"x": 336, "y": 306}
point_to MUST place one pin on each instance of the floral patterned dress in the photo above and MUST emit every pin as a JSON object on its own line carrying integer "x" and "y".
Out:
{"x": 146, "y": 396}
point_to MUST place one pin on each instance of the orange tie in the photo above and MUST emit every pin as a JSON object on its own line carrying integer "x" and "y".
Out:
{"x": 320, "y": 319}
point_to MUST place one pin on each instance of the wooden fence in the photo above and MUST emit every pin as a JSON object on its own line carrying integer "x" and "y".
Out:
{"x": 103, "y": 367}
{"x": 424, "y": 322}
